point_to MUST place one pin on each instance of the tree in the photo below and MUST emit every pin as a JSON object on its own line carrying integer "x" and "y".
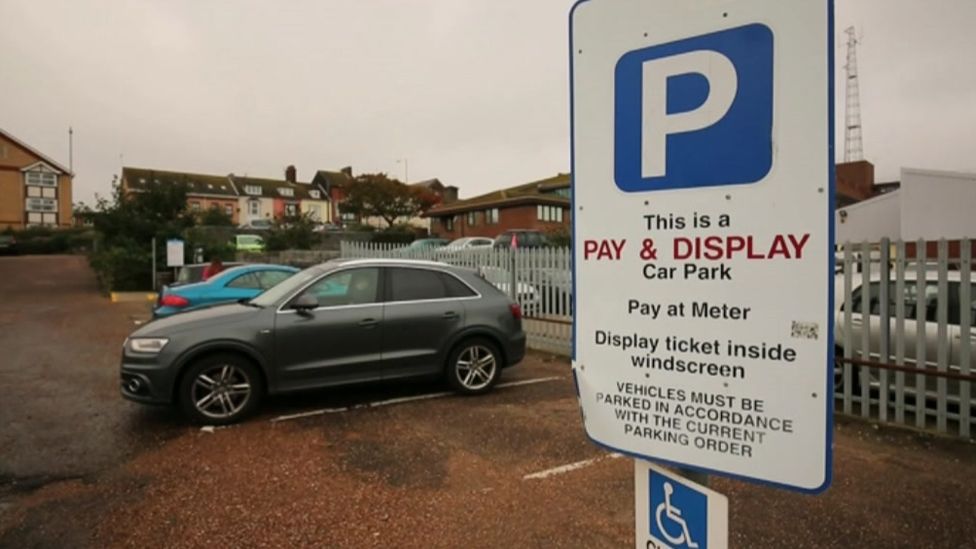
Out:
{"x": 215, "y": 217}
{"x": 126, "y": 224}
{"x": 377, "y": 195}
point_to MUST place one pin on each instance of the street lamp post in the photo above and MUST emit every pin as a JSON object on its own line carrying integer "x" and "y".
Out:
{"x": 406, "y": 177}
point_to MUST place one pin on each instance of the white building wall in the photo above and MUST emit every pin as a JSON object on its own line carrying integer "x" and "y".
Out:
{"x": 265, "y": 208}
{"x": 870, "y": 220}
{"x": 937, "y": 204}
{"x": 320, "y": 209}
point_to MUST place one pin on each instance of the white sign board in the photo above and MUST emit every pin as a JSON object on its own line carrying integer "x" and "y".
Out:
{"x": 174, "y": 252}
{"x": 703, "y": 199}
{"x": 673, "y": 512}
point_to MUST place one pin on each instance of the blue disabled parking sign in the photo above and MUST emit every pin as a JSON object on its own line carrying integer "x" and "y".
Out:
{"x": 674, "y": 512}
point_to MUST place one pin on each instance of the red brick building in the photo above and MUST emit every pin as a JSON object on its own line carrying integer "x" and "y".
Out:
{"x": 542, "y": 205}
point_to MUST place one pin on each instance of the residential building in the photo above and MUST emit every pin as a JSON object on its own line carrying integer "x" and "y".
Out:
{"x": 542, "y": 205}
{"x": 243, "y": 198}
{"x": 35, "y": 190}
{"x": 335, "y": 184}
{"x": 262, "y": 198}
{"x": 202, "y": 191}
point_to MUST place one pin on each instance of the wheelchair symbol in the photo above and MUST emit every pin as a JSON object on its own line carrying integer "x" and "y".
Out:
{"x": 673, "y": 514}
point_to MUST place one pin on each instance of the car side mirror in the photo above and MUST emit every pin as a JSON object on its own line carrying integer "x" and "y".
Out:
{"x": 305, "y": 303}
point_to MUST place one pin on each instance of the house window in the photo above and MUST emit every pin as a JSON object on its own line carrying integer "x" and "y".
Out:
{"x": 252, "y": 189}
{"x": 549, "y": 214}
{"x": 229, "y": 210}
{"x": 285, "y": 191}
{"x": 472, "y": 219}
{"x": 347, "y": 216}
{"x": 41, "y": 205}
{"x": 195, "y": 206}
{"x": 254, "y": 208}
{"x": 448, "y": 223}
{"x": 291, "y": 210}
{"x": 41, "y": 178}
{"x": 315, "y": 194}
{"x": 491, "y": 216}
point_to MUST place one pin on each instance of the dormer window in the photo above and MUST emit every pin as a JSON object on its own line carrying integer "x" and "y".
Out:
{"x": 286, "y": 191}
{"x": 315, "y": 194}
{"x": 252, "y": 189}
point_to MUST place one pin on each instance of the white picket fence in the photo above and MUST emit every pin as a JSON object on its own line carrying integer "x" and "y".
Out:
{"x": 904, "y": 348}
{"x": 539, "y": 279}
{"x": 913, "y": 365}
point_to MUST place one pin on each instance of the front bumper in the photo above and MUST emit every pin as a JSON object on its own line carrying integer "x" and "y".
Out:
{"x": 144, "y": 380}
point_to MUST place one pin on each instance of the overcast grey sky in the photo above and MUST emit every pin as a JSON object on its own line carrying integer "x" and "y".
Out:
{"x": 472, "y": 92}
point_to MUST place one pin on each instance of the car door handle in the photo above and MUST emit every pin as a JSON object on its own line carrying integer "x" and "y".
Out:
{"x": 368, "y": 323}
{"x": 450, "y": 315}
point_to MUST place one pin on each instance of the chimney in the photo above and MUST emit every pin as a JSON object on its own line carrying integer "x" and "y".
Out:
{"x": 290, "y": 174}
{"x": 347, "y": 170}
{"x": 449, "y": 195}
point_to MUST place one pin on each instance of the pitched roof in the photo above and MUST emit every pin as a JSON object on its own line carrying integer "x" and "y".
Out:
{"x": 542, "y": 191}
{"x": 219, "y": 185}
{"x": 432, "y": 184}
{"x": 139, "y": 178}
{"x": 53, "y": 163}
{"x": 327, "y": 178}
{"x": 272, "y": 188}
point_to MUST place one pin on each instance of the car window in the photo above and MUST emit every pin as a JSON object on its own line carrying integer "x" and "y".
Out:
{"x": 247, "y": 281}
{"x": 415, "y": 284}
{"x": 270, "y": 279}
{"x": 349, "y": 287}
{"x": 454, "y": 287}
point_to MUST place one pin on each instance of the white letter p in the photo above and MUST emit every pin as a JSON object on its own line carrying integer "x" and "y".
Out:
{"x": 657, "y": 124}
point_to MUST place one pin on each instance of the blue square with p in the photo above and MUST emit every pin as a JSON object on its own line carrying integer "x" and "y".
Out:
{"x": 697, "y": 112}
{"x": 679, "y": 513}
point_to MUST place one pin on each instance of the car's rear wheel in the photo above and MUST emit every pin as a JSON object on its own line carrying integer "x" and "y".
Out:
{"x": 839, "y": 374}
{"x": 474, "y": 366}
{"x": 220, "y": 389}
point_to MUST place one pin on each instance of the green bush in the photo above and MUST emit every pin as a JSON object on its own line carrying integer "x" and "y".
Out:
{"x": 560, "y": 237}
{"x": 49, "y": 240}
{"x": 296, "y": 233}
{"x": 397, "y": 234}
{"x": 123, "y": 267}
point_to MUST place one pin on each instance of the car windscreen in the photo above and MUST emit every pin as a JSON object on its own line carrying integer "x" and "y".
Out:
{"x": 286, "y": 288}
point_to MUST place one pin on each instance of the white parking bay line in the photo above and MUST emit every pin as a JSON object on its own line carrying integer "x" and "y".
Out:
{"x": 401, "y": 400}
{"x": 570, "y": 467}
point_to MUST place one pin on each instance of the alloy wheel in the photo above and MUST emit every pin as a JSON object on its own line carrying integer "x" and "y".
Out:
{"x": 221, "y": 392}
{"x": 476, "y": 367}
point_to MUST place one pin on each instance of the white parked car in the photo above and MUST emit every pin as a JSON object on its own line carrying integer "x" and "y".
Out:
{"x": 468, "y": 243}
{"x": 912, "y": 301}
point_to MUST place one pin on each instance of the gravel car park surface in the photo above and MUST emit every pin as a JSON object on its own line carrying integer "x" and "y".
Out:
{"x": 80, "y": 467}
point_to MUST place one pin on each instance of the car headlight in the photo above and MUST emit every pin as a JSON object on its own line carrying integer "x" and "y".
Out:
{"x": 147, "y": 345}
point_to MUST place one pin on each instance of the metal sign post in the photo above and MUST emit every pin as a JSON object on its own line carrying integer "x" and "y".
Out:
{"x": 702, "y": 147}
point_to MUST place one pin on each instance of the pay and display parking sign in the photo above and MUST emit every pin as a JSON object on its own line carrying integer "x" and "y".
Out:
{"x": 703, "y": 239}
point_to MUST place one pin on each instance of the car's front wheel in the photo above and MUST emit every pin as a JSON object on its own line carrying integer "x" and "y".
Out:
{"x": 474, "y": 366}
{"x": 220, "y": 389}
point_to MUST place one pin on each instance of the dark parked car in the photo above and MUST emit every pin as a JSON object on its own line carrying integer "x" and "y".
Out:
{"x": 8, "y": 244}
{"x": 524, "y": 238}
{"x": 190, "y": 274}
{"x": 340, "y": 322}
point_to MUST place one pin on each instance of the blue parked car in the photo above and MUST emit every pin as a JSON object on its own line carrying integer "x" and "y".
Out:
{"x": 244, "y": 282}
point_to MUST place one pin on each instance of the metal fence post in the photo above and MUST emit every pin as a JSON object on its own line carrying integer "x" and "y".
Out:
{"x": 966, "y": 311}
{"x": 884, "y": 297}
